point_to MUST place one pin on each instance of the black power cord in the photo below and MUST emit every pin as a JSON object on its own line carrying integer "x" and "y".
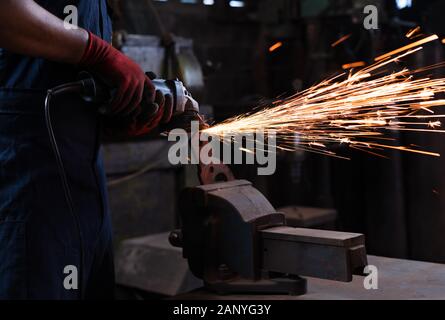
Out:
{"x": 82, "y": 87}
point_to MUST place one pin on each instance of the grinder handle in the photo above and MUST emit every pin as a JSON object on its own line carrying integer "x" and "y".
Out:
{"x": 96, "y": 91}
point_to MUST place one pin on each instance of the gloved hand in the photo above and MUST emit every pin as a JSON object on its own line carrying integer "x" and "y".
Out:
{"x": 141, "y": 121}
{"x": 118, "y": 71}
{"x": 144, "y": 122}
{"x": 135, "y": 97}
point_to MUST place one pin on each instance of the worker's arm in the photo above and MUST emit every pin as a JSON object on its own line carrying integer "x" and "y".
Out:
{"x": 27, "y": 28}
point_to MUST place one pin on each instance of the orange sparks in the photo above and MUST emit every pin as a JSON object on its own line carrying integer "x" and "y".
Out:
{"x": 357, "y": 109}
{"x": 407, "y": 47}
{"x": 342, "y": 39}
{"x": 413, "y": 32}
{"x": 353, "y": 65}
{"x": 276, "y": 46}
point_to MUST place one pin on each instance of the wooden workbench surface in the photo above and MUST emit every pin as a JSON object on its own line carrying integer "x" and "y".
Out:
{"x": 398, "y": 279}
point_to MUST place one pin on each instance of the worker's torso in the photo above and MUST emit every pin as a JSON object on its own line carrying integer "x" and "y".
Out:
{"x": 27, "y": 73}
{"x": 35, "y": 223}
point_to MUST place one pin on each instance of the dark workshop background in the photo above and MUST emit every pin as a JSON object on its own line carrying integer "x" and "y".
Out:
{"x": 399, "y": 204}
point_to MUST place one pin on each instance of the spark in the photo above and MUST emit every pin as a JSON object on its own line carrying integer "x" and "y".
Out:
{"x": 412, "y": 32}
{"x": 353, "y": 65}
{"x": 342, "y": 39}
{"x": 434, "y": 124}
{"x": 246, "y": 150}
{"x": 357, "y": 109}
{"x": 275, "y": 46}
{"x": 409, "y": 46}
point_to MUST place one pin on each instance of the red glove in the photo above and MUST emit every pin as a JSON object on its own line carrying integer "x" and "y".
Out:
{"x": 143, "y": 123}
{"x": 120, "y": 72}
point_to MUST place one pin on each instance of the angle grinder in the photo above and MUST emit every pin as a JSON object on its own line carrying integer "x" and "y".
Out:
{"x": 185, "y": 108}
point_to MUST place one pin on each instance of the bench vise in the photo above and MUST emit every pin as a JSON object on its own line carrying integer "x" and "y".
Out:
{"x": 236, "y": 242}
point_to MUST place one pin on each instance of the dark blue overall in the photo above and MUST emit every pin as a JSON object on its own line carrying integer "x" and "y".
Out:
{"x": 38, "y": 235}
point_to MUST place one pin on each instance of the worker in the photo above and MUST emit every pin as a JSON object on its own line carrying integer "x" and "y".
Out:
{"x": 46, "y": 252}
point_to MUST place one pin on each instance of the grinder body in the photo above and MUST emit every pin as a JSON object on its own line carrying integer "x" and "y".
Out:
{"x": 97, "y": 92}
{"x": 182, "y": 99}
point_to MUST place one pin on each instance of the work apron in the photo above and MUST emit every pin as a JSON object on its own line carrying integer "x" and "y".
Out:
{"x": 40, "y": 245}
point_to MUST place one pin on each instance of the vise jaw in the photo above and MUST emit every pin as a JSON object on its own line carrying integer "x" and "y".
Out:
{"x": 230, "y": 232}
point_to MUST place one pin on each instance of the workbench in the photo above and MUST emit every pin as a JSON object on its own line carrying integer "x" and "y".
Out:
{"x": 397, "y": 279}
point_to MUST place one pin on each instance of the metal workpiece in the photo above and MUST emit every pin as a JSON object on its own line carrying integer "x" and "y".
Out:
{"x": 212, "y": 173}
{"x": 235, "y": 240}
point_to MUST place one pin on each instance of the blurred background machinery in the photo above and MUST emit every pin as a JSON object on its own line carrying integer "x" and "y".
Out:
{"x": 234, "y": 55}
